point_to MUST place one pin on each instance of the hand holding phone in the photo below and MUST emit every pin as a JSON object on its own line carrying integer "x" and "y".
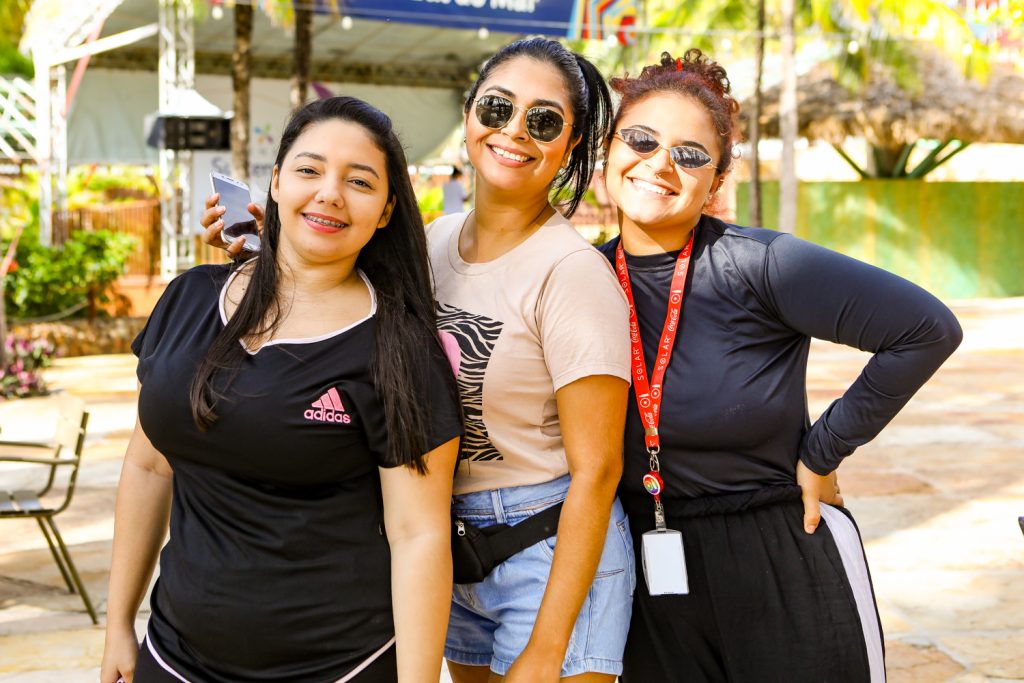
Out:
{"x": 238, "y": 222}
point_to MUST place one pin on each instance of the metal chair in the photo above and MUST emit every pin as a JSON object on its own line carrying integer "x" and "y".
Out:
{"x": 66, "y": 451}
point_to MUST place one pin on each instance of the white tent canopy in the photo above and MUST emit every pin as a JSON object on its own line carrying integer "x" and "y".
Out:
{"x": 415, "y": 73}
{"x": 145, "y": 54}
{"x": 106, "y": 121}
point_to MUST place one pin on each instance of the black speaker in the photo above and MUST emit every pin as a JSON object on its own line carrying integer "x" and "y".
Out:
{"x": 188, "y": 132}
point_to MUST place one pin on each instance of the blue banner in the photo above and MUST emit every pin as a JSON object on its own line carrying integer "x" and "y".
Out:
{"x": 572, "y": 18}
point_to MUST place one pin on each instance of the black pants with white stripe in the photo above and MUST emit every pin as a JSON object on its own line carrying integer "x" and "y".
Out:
{"x": 767, "y": 602}
{"x": 384, "y": 669}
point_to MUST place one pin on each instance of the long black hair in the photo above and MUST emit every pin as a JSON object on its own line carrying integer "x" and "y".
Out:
{"x": 591, "y": 109}
{"x": 394, "y": 260}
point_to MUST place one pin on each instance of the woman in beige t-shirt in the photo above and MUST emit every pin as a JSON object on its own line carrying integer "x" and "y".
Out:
{"x": 537, "y": 328}
{"x": 542, "y": 327}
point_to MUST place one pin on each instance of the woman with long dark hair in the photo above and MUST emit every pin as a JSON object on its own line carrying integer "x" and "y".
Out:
{"x": 298, "y": 425}
{"x": 541, "y": 327}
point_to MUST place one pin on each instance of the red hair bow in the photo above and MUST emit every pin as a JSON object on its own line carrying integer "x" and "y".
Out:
{"x": 679, "y": 63}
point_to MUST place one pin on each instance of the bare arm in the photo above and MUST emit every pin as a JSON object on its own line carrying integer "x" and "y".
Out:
{"x": 592, "y": 412}
{"x": 417, "y": 515}
{"x": 140, "y": 524}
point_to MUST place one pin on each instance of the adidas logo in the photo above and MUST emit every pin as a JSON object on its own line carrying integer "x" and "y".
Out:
{"x": 328, "y": 408}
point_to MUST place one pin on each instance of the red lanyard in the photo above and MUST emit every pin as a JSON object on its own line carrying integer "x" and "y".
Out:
{"x": 649, "y": 394}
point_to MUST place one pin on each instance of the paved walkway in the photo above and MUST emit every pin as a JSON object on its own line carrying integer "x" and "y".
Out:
{"x": 937, "y": 497}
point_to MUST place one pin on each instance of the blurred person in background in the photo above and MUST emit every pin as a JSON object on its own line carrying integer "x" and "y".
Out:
{"x": 455, "y": 194}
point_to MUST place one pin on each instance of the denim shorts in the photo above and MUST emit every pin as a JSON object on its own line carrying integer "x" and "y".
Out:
{"x": 491, "y": 621}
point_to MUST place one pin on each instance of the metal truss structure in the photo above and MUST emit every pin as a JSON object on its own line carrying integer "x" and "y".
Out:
{"x": 453, "y": 75}
{"x": 75, "y": 31}
{"x": 176, "y": 69}
{"x": 69, "y": 26}
{"x": 51, "y": 144}
{"x": 17, "y": 121}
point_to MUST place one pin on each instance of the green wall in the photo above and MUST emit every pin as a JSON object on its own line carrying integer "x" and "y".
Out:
{"x": 954, "y": 239}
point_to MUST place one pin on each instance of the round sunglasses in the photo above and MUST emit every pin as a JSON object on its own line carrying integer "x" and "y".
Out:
{"x": 543, "y": 124}
{"x": 644, "y": 144}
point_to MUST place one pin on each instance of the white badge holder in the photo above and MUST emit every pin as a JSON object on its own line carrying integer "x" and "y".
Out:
{"x": 665, "y": 563}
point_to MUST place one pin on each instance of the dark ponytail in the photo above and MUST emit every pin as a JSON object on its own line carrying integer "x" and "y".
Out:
{"x": 395, "y": 262}
{"x": 591, "y": 108}
{"x": 597, "y": 123}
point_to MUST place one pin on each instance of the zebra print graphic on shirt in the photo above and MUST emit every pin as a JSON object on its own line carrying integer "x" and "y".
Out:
{"x": 477, "y": 335}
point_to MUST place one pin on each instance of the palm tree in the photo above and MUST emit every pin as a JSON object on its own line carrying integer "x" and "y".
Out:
{"x": 736, "y": 15}
{"x": 241, "y": 76}
{"x": 788, "y": 124}
{"x": 302, "y": 51}
{"x": 888, "y": 33}
{"x": 869, "y": 33}
{"x": 12, "y": 20}
{"x": 754, "y": 134}
{"x": 298, "y": 15}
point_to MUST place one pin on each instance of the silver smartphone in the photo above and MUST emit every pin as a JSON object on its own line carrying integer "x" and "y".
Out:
{"x": 238, "y": 222}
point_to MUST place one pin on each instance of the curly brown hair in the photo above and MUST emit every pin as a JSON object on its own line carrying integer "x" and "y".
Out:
{"x": 695, "y": 75}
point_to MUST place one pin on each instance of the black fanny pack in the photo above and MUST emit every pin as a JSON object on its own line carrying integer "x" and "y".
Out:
{"x": 477, "y": 551}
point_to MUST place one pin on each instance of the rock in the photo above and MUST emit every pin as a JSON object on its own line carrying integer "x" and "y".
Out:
{"x": 917, "y": 663}
{"x": 85, "y": 337}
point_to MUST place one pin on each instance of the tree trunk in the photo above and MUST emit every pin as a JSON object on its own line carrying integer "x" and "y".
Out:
{"x": 755, "y": 123}
{"x": 302, "y": 53}
{"x": 788, "y": 123}
{"x": 886, "y": 162}
{"x": 3, "y": 322}
{"x": 241, "y": 74}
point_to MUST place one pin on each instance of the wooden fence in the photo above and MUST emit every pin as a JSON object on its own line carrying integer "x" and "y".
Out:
{"x": 139, "y": 218}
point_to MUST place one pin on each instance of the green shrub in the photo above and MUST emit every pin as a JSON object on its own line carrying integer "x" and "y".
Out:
{"x": 13, "y": 63}
{"x": 19, "y": 206}
{"x": 49, "y": 280}
{"x": 92, "y": 185}
{"x": 430, "y": 200}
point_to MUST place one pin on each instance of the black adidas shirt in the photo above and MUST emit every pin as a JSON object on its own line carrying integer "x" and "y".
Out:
{"x": 734, "y": 413}
{"x": 277, "y": 568}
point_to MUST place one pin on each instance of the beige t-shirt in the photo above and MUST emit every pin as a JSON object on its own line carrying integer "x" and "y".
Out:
{"x": 546, "y": 313}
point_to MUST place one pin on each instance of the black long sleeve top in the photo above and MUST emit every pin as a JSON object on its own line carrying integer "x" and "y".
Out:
{"x": 734, "y": 414}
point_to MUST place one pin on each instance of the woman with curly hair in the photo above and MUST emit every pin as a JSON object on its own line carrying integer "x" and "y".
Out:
{"x": 744, "y": 581}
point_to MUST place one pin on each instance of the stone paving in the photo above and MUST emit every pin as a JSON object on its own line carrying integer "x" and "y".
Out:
{"x": 937, "y": 497}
